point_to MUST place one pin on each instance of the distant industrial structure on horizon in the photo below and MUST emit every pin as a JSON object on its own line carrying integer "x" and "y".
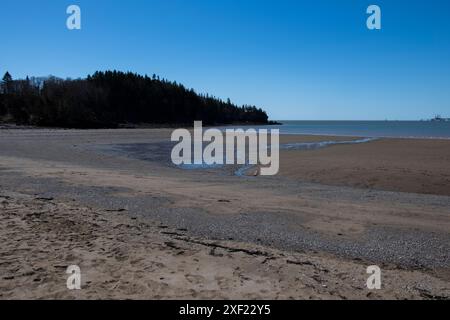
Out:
{"x": 438, "y": 118}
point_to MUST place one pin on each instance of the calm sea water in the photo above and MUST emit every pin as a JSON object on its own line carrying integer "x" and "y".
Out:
{"x": 404, "y": 129}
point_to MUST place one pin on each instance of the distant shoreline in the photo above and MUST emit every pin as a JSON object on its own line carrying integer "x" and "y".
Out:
{"x": 283, "y": 132}
{"x": 135, "y": 126}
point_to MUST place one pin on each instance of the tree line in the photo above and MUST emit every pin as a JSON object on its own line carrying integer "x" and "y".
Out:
{"x": 111, "y": 99}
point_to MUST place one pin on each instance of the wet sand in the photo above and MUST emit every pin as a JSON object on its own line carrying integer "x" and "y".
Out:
{"x": 140, "y": 228}
{"x": 405, "y": 165}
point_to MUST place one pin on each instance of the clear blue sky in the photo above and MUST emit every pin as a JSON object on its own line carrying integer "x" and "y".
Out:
{"x": 296, "y": 59}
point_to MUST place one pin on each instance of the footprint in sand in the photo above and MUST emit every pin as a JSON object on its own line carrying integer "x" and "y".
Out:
{"x": 194, "y": 278}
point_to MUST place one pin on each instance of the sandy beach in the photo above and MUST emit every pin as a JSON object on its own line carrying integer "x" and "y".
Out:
{"x": 405, "y": 165}
{"x": 140, "y": 228}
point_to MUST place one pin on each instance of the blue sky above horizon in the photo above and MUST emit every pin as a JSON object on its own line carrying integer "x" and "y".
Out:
{"x": 307, "y": 60}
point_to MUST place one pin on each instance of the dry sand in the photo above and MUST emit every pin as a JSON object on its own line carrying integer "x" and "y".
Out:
{"x": 143, "y": 229}
{"x": 121, "y": 257}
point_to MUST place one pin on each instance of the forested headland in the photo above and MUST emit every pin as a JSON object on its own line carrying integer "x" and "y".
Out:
{"x": 112, "y": 99}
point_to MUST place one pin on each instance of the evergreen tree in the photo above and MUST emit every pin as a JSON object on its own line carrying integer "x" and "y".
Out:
{"x": 6, "y": 82}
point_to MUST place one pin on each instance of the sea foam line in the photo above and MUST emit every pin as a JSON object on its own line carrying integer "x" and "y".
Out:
{"x": 321, "y": 144}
